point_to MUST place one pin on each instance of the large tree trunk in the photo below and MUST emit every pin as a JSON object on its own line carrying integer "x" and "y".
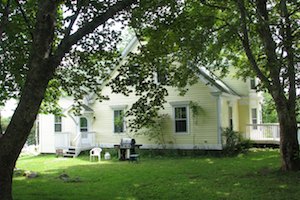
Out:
{"x": 42, "y": 65}
{"x": 289, "y": 145}
{"x": 19, "y": 128}
{"x": 275, "y": 80}
{"x": 41, "y": 71}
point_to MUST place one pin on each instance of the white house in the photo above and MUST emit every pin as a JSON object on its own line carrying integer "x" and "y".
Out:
{"x": 226, "y": 102}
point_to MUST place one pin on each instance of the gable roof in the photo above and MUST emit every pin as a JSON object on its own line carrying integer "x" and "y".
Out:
{"x": 204, "y": 75}
{"x": 84, "y": 109}
{"x": 87, "y": 109}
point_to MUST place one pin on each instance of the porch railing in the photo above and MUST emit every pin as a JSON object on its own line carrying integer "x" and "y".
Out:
{"x": 62, "y": 139}
{"x": 265, "y": 132}
{"x": 84, "y": 139}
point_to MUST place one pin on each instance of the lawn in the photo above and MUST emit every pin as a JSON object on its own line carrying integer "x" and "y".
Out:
{"x": 251, "y": 176}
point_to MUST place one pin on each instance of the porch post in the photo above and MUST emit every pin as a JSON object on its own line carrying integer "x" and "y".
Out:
{"x": 219, "y": 116}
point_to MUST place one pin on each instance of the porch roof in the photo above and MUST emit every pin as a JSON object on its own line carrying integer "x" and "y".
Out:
{"x": 214, "y": 81}
{"x": 84, "y": 109}
{"x": 87, "y": 109}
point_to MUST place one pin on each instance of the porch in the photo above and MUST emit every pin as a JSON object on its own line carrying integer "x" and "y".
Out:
{"x": 71, "y": 147}
{"x": 265, "y": 133}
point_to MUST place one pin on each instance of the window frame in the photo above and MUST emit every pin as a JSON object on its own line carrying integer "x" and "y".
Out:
{"x": 187, "y": 119}
{"x": 57, "y": 123}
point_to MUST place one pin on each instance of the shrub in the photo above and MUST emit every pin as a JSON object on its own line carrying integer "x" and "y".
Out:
{"x": 235, "y": 143}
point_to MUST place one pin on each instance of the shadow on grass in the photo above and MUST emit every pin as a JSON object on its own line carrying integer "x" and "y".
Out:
{"x": 252, "y": 176}
{"x": 86, "y": 180}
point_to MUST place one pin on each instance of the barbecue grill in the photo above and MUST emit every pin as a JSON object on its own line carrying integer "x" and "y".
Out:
{"x": 126, "y": 148}
{"x": 126, "y": 143}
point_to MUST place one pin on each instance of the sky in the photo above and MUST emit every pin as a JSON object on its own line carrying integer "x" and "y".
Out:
{"x": 9, "y": 108}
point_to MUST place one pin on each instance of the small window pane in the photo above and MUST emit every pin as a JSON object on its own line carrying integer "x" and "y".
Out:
{"x": 180, "y": 112}
{"x": 57, "y": 119}
{"x": 57, "y": 127}
{"x": 57, "y": 124}
{"x": 180, "y": 126}
{"x": 83, "y": 124}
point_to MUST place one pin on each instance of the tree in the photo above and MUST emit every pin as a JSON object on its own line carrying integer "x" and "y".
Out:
{"x": 35, "y": 39}
{"x": 258, "y": 37}
{"x": 43, "y": 51}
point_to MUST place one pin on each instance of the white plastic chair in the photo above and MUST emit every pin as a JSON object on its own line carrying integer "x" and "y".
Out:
{"x": 95, "y": 152}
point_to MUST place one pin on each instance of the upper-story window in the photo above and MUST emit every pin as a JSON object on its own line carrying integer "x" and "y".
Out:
{"x": 161, "y": 76}
{"x": 253, "y": 83}
{"x": 83, "y": 124}
{"x": 57, "y": 123}
{"x": 181, "y": 119}
{"x": 119, "y": 125}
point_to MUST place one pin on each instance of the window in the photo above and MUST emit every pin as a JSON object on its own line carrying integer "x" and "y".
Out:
{"x": 118, "y": 121}
{"x": 57, "y": 124}
{"x": 253, "y": 83}
{"x": 181, "y": 119}
{"x": 83, "y": 124}
{"x": 161, "y": 78}
{"x": 254, "y": 117}
{"x": 230, "y": 117}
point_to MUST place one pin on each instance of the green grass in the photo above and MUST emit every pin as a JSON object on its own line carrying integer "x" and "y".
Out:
{"x": 252, "y": 176}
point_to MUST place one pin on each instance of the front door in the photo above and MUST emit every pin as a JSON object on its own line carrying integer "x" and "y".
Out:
{"x": 84, "y": 130}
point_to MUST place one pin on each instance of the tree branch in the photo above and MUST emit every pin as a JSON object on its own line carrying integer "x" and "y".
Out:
{"x": 269, "y": 44}
{"x": 89, "y": 27}
{"x": 72, "y": 20}
{"x": 213, "y": 5}
{"x": 25, "y": 18}
{"x": 246, "y": 44}
{"x": 288, "y": 46}
{"x": 4, "y": 18}
{"x": 219, "y": 28}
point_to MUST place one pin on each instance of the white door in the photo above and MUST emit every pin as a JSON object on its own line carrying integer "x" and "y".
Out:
{"x": 84, "y": 130}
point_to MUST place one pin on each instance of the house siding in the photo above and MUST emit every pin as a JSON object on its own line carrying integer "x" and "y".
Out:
{"x": 244, "y": 115}
{"x": 46, "y": 133}
{"x": 238, "y": 85}
{"x": 202, "y": 130}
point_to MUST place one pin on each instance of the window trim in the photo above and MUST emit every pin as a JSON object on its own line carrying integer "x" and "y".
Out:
{"x": 186, "y": 106}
